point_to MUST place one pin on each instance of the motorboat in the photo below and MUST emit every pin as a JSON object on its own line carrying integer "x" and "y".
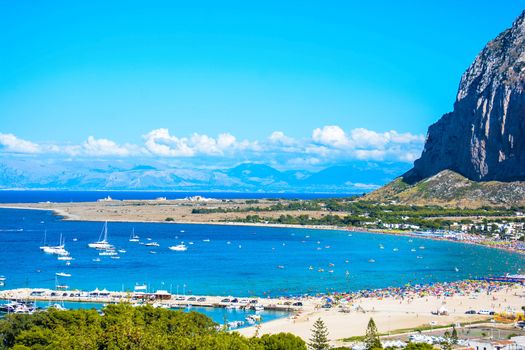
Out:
{"x": 108, "y": 253}
{"x": 179, "y": 248}
{"x": 152, "y": 244}
{"x": 63, "y": 274}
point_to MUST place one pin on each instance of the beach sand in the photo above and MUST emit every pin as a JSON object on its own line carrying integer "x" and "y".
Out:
{"x": 392, "y": 314}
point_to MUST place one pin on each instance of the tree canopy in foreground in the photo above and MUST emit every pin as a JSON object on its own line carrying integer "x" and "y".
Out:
{"x": 126, "y": 327}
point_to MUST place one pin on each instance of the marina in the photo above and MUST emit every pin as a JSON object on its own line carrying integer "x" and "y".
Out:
{"x": 236, "y": 312}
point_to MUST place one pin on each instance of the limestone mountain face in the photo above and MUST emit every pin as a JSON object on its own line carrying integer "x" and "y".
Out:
{"x": 483, "y": 138}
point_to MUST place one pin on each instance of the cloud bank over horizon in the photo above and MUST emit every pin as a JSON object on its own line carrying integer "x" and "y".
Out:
{"x": 328, "y": 144}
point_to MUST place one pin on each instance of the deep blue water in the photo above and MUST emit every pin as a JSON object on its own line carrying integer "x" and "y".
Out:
{"x": 247, "y": 266}
{"x": 35, "y": 196}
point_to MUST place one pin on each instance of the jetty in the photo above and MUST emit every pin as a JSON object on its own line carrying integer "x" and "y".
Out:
{"x": 160, "y": 298}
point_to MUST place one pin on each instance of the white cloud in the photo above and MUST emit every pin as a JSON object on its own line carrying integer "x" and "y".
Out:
{"x": 159, "y": 142}
{"x": 11, "y": 143}
{"x": 279, "y": 138}
{"x": 103, "y": 147}
{"x": 327, "y": 144}
{"x": 330, "y": 135}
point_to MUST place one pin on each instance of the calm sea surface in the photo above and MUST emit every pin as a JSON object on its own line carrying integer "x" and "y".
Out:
{"x": 240, "y": 261}
{"x": 32, "y": 196}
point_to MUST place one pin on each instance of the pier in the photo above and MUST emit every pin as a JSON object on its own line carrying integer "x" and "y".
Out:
{"x": 159, "y": 298}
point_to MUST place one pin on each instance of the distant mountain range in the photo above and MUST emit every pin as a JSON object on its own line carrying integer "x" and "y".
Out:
{"x": 31, "y": 173}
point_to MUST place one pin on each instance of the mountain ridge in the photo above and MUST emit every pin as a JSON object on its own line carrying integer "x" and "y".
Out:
{"x": 481, "y": 138}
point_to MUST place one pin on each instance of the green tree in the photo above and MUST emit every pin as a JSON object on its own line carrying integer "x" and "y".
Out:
{"x": 454, "y": 336}
{"x": 372, "y": 336}
{"x": 319, "y": 339}
{"x": 419, "y": 346}
{"x": 281, "y": 341}
{"x": 446, "y": 344}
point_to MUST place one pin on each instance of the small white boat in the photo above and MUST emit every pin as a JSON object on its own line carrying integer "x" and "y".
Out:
{"x": 116, "y": 257}
{"x": 122, "y": 251}
{"x": 96, "y": 259}
{"x": 421, "y": 247}
{"x": 178, "y": 248}
{"x": 152, "y": 252}
{"x": 413, "y": 249}
{"x": 152, "y": 244}
{"x": 395, "y": 249}
{"x": 63, "y": 274}
{"x": 456, "y": 269}
{"x": 381, "y": 246}
{"x": 311, "y": 268}
{"x": 65, "y": 258}
{"x": 206, "y": 240}
{"x": 2, "y": 278}
{"x": 108, "y": 253}
{"x": 280, "y": 267}
{"x": 371, "y": 261}
{"x": 139, "y": 287}
{"x": 258, "y": 308}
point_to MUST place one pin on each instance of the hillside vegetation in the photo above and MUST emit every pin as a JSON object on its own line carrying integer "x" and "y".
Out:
{"x": 450, "y": 189}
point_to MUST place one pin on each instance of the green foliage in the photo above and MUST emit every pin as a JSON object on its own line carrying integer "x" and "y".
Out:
{"x": 319, "y": 339}
{"x": 419, "y": 346}
{"x": 125, "y": 327}
{"x": 372, "y": 336}
{"x": 454, "y": 335}
{"x": 282, "y": 341}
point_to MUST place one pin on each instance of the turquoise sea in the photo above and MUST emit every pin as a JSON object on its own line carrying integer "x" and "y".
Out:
{"x": 237, "y": 260}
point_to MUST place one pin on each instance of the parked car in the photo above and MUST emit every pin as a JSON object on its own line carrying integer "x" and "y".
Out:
{"x": 520, "y": 324}
{"x": 471, "y": 312}
{"x": 201, "y": 299}
{"x": 485, "y": 312}
{"x": 298, "y": 303}
{"x": 192, "y": 299}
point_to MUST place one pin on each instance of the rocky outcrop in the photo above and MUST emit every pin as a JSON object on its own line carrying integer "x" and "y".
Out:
{"x": 483, "y": 138}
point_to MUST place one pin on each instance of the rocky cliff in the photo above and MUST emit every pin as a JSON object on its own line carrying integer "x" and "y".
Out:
{"x": 483, "y": 138}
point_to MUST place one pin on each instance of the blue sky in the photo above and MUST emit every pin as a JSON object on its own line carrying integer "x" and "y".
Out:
{"x": 302, "y": 82}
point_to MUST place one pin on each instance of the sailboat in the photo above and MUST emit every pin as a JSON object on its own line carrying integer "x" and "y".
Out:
{"x": 102, "y": 242}
{"x": 133, "y": 237}
{"x": 57, "y": 249}
{"x": 43, "y": 247}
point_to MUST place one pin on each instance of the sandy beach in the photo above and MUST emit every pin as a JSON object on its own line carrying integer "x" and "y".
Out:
{"x": 391, "y": 314}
